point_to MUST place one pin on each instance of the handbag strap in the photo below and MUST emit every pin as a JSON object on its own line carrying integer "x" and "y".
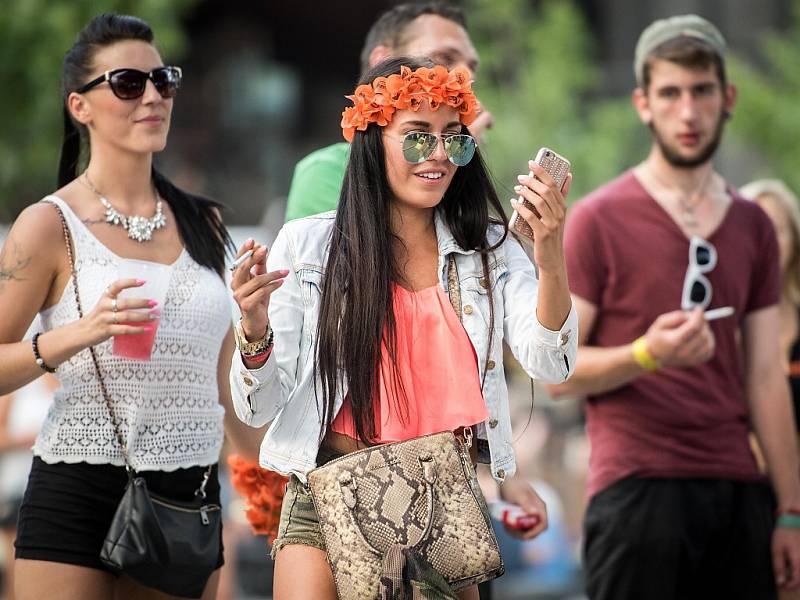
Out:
{"x": 103, "y": 389}
{"x": 454, "y": 293}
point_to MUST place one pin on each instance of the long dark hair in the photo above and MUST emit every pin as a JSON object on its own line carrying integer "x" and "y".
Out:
{"x": 198, "y": 219}
{"x": 356, "y": 311}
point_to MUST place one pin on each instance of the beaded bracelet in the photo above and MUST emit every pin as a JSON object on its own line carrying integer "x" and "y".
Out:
{"x": 37, "y": 356}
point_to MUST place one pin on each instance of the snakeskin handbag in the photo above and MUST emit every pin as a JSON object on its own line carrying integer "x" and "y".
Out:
{"x": 393, "y": 510}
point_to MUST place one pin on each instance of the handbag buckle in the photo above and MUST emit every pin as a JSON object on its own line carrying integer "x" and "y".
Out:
{"x": 201, "y": 491}
{"x": 467, "y": 433}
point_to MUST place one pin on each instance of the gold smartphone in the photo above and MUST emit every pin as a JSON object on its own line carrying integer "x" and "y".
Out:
{"x": 558, "y": 168}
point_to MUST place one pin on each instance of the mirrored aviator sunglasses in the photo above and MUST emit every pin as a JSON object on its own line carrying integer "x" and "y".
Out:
{"x": 129, "y": 84}
{"x": 418, "y": 146}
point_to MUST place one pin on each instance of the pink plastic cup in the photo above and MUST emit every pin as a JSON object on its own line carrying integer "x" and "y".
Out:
{"x": 156, "y": 276}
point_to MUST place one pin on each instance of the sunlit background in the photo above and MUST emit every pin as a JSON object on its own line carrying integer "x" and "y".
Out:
{"x": 264, "y": 83}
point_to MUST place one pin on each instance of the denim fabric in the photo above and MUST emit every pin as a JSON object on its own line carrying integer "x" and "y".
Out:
{"x": 282, "y": 392}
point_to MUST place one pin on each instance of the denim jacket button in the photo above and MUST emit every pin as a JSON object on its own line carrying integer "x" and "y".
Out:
{"x": 490, "y": 365}
{"x": 484, "y": 282}
{"x": 501, "y": 474}
{"x": 493, "y": 423}
{"x": 248, "y": 381}
{"x": 468, "y": 309}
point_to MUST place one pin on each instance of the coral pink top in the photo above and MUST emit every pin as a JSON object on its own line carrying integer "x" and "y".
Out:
{"x": 436, "y": 368}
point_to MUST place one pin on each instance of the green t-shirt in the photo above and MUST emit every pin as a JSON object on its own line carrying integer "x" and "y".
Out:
{"x": 317, "y": 181}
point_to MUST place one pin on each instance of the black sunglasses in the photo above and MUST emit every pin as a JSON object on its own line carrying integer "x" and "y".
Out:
{"x": 129, "y": 84}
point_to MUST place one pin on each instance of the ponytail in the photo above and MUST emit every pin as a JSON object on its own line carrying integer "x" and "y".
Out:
{"x": 70, "y": 151}
{"x": 199, "y": 223}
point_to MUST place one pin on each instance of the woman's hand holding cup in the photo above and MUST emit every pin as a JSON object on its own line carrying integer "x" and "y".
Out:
{"x": 252, "y": 287}
{"x": 113, "y": 316}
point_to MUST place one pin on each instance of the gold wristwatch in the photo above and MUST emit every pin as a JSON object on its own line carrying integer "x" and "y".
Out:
{"x": 251, "y": 348}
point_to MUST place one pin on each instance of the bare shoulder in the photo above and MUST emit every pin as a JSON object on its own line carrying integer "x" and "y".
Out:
{"x": 39, "y": 221}
{"x": 34, "y": 244}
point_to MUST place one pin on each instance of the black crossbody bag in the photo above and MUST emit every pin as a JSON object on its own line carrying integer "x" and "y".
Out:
{"x": 161, "y": 543}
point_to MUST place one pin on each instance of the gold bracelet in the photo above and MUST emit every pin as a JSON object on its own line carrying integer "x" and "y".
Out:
{"x": 642, "y": 355}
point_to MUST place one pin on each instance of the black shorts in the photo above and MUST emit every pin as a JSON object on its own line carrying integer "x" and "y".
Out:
{"x": 680, "y": 539}
{"x": 67, "y": 508}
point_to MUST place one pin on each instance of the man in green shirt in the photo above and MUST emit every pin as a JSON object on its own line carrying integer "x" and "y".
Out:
{"x": 433, "y": 29}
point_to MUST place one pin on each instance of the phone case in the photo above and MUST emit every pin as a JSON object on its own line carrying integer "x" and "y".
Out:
{"x": 558, "y": 168}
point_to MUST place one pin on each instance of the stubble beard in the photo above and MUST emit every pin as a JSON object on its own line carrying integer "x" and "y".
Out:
{"x": 705, "y": 154}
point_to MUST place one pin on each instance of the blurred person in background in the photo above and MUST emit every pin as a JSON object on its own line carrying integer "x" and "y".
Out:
{"x": 781, "y": 206}
{"x": 117, "y": 103}
{"x": 370, "y": 274}
{"x": 678, "y": 508}
{"x": 435, "y": 30}
{"x": 21, "y": 416}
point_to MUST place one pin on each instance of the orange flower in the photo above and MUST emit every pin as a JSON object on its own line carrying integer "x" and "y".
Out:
{"x": 263, "y": 493}
{"x": 409, "y": 90}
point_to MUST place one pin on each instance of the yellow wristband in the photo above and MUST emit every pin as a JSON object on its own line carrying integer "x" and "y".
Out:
{"x": 642, "y": 355}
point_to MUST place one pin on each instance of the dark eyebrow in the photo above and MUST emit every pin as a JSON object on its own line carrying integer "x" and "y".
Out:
{"x": 417, "y": 124}
{"x": 426, "y": 125}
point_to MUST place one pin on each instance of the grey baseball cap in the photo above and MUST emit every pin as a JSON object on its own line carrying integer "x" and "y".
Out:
{"x": 665, "y": 30}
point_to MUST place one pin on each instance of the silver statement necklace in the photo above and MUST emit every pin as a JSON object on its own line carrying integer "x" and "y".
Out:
{"x": 139, "y": 228}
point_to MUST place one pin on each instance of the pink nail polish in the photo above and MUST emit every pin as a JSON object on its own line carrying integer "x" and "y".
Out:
{"x": 284, "y": 272}
{"x": 152, "y": 303}
{"x": 148, "y": 328}
{"x": 140, "y": 282}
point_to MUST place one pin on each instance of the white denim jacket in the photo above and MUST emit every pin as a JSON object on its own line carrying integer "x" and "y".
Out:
{"x": 282, "y": 392}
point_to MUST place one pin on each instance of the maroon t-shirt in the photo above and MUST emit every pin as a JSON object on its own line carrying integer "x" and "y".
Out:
{"x": 628, "y": 257}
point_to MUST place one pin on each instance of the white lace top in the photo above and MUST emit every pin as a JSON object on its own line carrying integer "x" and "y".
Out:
{"x": 168, "y": 407}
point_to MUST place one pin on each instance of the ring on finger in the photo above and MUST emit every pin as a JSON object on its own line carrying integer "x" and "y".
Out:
{"x": 114, "y": 317}
{"x": 114, "y": 307}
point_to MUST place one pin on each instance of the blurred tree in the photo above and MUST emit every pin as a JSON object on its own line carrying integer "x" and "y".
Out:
{"x": 539, "y": 78}
{"x": 765, "y": 119}
{"x": 34, "y": 35}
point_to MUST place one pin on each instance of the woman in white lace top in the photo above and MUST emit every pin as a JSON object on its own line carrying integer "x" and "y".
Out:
{"x": 171, "y": 409}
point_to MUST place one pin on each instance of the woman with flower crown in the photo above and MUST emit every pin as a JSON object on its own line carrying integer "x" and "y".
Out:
{"x": 349, "y": 337}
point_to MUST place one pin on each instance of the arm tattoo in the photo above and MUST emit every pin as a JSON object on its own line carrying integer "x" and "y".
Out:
{"x": 12, "y": 263}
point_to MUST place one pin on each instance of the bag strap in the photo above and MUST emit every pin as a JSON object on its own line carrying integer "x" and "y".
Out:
{"x": 454, "y": 293}
{"x": 70, "y": 254}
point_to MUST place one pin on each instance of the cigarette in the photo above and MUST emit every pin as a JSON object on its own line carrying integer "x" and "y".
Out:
{"x": 718, "y": 313}
{"x": 240, "y": 261}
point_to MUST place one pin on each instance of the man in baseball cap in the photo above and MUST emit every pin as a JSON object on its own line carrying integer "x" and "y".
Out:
{"x": 678, "y": 507}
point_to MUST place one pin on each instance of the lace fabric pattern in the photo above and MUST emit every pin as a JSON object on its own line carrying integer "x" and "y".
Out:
{"x": 168, "y": 407}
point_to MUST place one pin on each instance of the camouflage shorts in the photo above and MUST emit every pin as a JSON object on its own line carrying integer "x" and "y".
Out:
{"x": 299, "y": 522}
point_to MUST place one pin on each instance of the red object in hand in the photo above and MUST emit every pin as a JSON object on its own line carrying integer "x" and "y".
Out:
{"x": 513, "y": 516}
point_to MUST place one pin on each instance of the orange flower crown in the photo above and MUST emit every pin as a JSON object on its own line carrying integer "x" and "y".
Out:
{"x": 377, "y": 102}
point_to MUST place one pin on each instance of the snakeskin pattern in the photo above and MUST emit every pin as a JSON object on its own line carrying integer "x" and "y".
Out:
{"x": 375, "y": 499}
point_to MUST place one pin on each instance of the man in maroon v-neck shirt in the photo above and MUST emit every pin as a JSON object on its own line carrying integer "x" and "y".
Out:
{"x": 678, "y": 508}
